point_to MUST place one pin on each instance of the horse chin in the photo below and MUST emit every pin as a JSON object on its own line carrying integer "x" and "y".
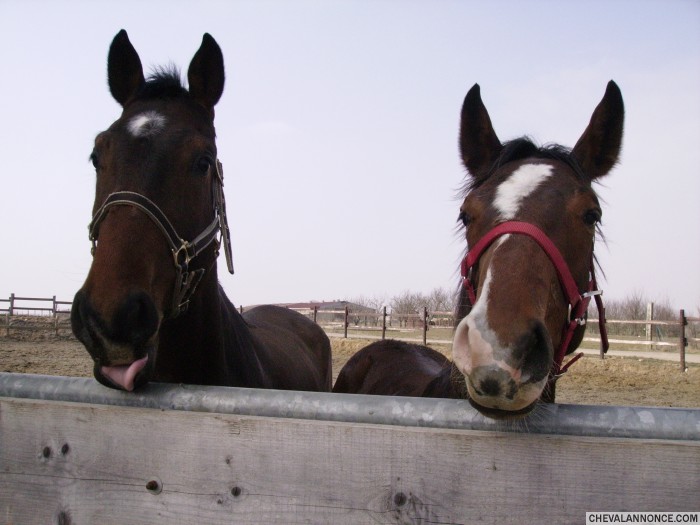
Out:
{"x": 504, "y": 415}
{"x": 523, "y": 401}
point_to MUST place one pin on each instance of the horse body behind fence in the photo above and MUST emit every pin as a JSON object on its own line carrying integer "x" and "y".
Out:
{"x": 151, "y": 307}
{"x": 530, "y": 217}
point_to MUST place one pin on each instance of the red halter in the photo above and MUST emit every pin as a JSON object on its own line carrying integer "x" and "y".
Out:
{"x": 578, "y": 302}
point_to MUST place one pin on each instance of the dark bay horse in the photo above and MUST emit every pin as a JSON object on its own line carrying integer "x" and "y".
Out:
{"x": 398, "y": 368}
{"x": 151, "y": 307}
{"x": 530, "y": 216}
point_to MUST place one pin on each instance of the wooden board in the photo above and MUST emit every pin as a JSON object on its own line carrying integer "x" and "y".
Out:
{"x": 73, "y": 463}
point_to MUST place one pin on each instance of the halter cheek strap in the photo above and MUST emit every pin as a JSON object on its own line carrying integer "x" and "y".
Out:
{"x": 183, "y": 251}
{"x": 577, "y": 302}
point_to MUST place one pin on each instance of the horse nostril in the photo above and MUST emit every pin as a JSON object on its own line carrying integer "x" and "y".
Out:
{"x": 490, "y": 380}
{"x": 136, "y": 320}
{"x": 490, "y": 387}
{"x": 535, "y": 352}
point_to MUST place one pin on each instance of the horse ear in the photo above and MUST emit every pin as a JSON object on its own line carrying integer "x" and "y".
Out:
{"x": 478, "y": 142}
{"x": 206, "y": 73}
{"x": 598, "y": 149}
{"x": 124, "y": 70}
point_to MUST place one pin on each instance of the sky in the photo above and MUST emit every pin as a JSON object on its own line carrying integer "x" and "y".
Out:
{"x": 338, "y": 132}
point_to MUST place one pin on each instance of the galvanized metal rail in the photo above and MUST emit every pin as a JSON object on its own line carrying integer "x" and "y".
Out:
{"x": 576, "y": 420}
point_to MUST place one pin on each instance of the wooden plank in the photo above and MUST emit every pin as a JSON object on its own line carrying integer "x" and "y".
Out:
{"x": 628, "y": 342}
{"x": 651, "y": 322}
{"x": 31, "y": 309}
{"x": 74, "y": 463}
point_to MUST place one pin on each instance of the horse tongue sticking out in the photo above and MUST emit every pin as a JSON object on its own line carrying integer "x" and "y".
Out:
{"x": 124, "y": 375}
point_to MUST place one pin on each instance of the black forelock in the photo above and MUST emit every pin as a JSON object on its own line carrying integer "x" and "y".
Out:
{"x": 524, "y": 148}
{"x": 163, "y": 82}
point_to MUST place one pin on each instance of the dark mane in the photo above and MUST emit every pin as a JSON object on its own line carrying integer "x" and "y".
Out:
{"x": 525, "y": 148}
{"x": 163, "y": 82}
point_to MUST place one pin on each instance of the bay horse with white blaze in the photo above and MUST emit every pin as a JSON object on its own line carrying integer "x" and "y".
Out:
{"x": 530, "y": 215}
{"x": 151, "y": 307}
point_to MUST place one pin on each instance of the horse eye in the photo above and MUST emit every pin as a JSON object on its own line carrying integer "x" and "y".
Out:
{"x": 592, "y": 217}
{"x": 464, "y": 218}
{"x": 203, "y": 164}
{"x": 95, "y": 159}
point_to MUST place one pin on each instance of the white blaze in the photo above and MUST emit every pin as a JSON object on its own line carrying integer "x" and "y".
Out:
{"x": 521, "y": 183}
{"x": 475, "y": 343}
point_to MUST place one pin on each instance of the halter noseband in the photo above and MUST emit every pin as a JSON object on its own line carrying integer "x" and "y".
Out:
{"x": 577, "y": 301}
{"x": 183, "y": 251}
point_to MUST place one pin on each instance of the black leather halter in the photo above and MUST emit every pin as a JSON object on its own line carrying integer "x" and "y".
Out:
{"x": 183, "y": 251}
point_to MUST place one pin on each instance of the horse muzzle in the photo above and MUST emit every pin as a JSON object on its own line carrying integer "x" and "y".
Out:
{"x": 502, "y": 380}
{"x": 123, "y": 348}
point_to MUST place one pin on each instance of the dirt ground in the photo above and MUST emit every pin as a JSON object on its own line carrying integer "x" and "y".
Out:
{"x": 613, "y": 381}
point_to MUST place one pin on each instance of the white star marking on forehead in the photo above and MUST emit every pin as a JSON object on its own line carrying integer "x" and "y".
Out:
{"x": 521, "y": 183}
{"x": 146, "y": 124}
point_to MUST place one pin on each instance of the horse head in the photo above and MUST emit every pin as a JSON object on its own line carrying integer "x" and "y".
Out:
{"x": 157, "y": 213}
{"x": 530, "y": 216}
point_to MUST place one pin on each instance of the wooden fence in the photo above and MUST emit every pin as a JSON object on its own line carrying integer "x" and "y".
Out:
{"x": 28, "y": 305}
{"x": 75, "y": 452}
{"x": 32, "y": 307}
{"x": 361, "y": 321}
{"x": 681, "y": 342}
{"x": 373, "y": 321}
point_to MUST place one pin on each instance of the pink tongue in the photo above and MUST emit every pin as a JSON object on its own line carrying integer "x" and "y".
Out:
{"x": 124, "y": 375}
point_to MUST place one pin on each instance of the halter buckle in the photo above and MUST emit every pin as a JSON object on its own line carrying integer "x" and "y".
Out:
{"x": 183, "y": 249}
{"x": 581, "y": 321}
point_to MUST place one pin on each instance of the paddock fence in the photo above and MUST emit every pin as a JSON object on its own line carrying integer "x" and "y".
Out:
{"x": 31, "y": 314}
{"x": 75, "y": 452}
{"x": 649, "y": 334}
{"x": 370, "y": 324}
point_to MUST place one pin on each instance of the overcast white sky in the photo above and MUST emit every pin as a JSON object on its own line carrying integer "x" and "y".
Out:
{"x": 338, "y": 132}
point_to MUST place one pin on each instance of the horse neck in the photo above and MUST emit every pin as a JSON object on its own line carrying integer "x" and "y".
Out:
{"x": 210, "y": 343}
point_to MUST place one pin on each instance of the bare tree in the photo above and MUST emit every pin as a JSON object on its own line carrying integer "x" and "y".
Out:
{"x": 375, "y": 302}
{"x": 440, "y": 300}
{"x": 407, "y": 302}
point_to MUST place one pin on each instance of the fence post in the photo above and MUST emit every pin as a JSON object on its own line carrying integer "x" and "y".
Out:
{"x": 55, "y": 315}
{"x": 683, "y": 341}
{"x": 650, "y": 317}
{"x": 12, "y": 304}
{"x": 346, "y": 322}
{"x": 425, "y": 325}
{"x": 383, "y": 323}
{"x": 315, "y": 313}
